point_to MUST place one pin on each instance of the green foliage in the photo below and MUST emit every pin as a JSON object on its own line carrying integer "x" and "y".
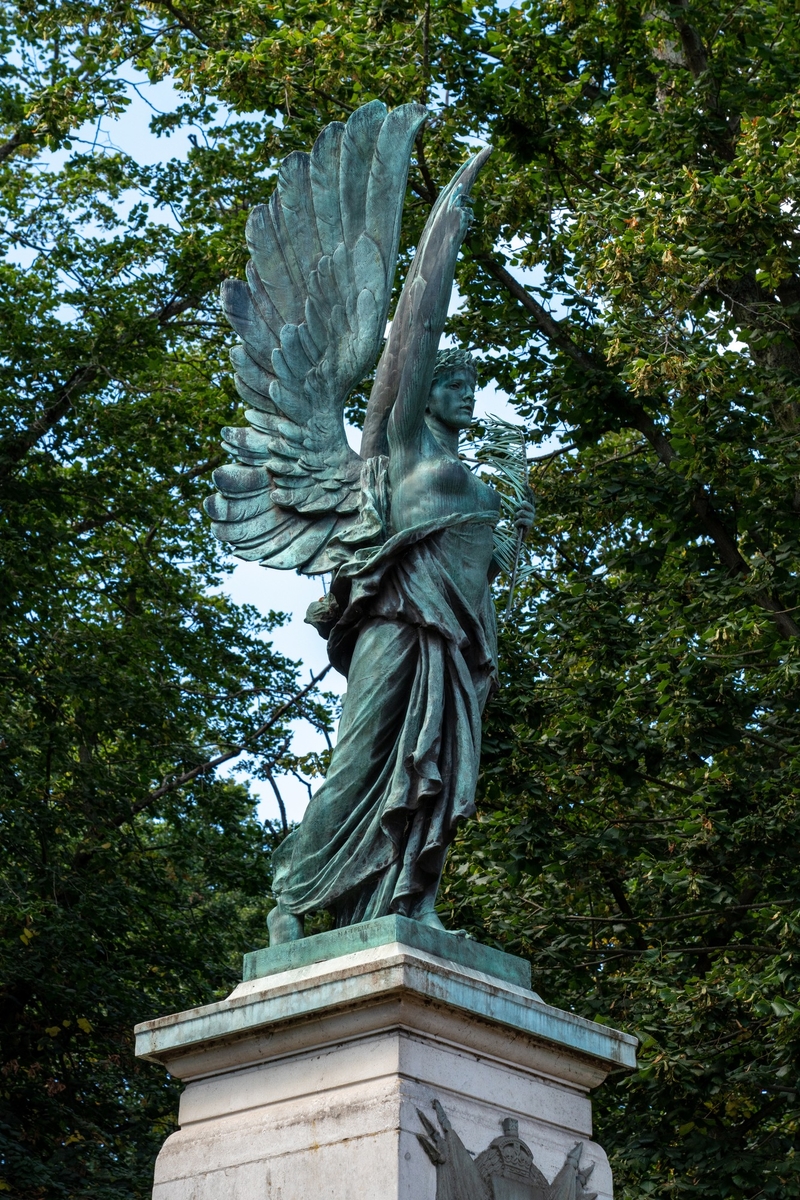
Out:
{"x": 639, "y": 825}
{"x": 638, "y": 831}
{"x": 640, "y": 812}
{"x": 97, "y": 936}
{"x": 123, "y": 666}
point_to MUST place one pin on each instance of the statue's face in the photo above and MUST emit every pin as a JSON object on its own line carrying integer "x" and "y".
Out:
{"x": 452, "y": 398}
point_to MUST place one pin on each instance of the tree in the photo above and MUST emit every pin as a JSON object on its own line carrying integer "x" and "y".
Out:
{"x": 632, "y": 279}
{"x": 644, "y": 810}
{"x": 124, "y": 669}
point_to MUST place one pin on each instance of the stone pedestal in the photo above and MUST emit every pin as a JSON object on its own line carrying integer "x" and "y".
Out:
{"x": 305, "y": 1083}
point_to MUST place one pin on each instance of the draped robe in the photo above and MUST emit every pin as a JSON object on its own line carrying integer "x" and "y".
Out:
{"x": 420, "y": 664}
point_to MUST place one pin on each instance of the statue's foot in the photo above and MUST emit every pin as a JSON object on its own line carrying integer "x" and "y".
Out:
{"x": 283, "y": 927}
{"x": 433, "y": 921}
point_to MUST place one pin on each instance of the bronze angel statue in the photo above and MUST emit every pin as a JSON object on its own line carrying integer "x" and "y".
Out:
{"x": 405, "y": 528}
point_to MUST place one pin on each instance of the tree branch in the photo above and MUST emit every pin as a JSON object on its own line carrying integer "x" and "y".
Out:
{"x": 279, "y": 798}
{"x": 202, "y": 468}
{"x": 177, "y": 306}
{"x": 551, "y": 328}
{"x": 20, "y": 137}
{"x": 621, "y": 952}
{"x": 536, "y": 458}
{"x": 212, "y": 763}
{"x": 733, "y": 921}
{"x": 613, "y": 919}
{"x": 14, "y": 448}
{"x": 114, "y": 514}
{"x": 618, "y": 892}
{"x": 635, "y": 417}
{"x": 90, "y": 523}
{"x": 619, "y": 457}
{"x": 184, "y": 22}
{"x": 431, "y": 191}
{"x": 694, "y": 51}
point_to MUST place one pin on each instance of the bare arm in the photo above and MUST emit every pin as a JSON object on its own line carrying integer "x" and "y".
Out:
{"x": 405, "y": 372}
{"x": 416, "y": 367}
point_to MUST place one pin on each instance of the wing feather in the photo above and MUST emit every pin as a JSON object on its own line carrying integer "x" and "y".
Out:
{"x": 267, "y": 260}
{"x": 324, "y": 178}
{"x": 291, "y": 257}
{"x": 421, "y": 311}
{"x": 289, "y": 546}
{"x": 243, "y": 508}
{"x": 247, "y": 373}
{"x": 273, "y": 524}
{"x": 236, "y": 480}
{"x": 297, "y": 206}
{"x": 278, "y": 428}
{"x": 358, "y": 150}
{"x": 261, "y": 300}
{"x": 237, "y": 301}
{"x": 311, "y": 319}
{"x": 248, "y": 445}
{"x": 297, "y": 353}
{"x": 382, "y": 219}
{"x": 253, "y": 399}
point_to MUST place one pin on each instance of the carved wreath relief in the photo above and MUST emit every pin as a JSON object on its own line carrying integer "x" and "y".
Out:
{"x": 504, "y": 1171}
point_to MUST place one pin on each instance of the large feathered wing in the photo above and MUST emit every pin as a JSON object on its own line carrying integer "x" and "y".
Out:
{"x": 311, "y": 319}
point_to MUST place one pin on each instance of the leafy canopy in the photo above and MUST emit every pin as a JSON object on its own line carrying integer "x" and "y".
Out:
{"x": 632, "y": 281}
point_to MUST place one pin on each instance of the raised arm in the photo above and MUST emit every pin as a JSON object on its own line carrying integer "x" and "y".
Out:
{"x": 396, "y": 409}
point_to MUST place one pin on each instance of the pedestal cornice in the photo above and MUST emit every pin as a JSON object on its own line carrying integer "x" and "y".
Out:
{"x": 382, "y": 987}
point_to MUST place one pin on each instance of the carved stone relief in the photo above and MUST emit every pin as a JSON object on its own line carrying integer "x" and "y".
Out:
{"x": 504, "y": 1171}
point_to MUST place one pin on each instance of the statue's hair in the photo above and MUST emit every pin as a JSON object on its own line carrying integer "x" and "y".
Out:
{"x": 451, "y": 360}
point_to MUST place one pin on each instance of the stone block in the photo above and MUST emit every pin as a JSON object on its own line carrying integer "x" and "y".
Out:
{"x": 305, "y": 1084}
{"x": 369, "y": 934}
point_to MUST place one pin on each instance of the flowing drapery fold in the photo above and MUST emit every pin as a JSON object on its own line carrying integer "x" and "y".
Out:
{"x": 420, "y": 665}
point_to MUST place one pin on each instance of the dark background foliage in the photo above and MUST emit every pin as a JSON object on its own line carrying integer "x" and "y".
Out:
{"x": 632, "y": 281}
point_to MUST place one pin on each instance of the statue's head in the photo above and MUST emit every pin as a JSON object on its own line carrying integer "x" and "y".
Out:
{"x": 452, "y": 395}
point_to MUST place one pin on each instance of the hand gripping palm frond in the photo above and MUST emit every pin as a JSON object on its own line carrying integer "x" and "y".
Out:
{"x": 311, "y": 318}
{"x": 502, "y": 447}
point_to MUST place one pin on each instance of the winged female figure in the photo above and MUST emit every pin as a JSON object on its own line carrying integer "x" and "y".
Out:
{"x": 405, "y": 528}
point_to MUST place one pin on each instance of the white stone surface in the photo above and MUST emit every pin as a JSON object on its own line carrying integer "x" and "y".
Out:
{"x": 305, "y": 1085}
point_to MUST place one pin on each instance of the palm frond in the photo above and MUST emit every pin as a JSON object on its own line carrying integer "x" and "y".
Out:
{"x": 502, "y": 448}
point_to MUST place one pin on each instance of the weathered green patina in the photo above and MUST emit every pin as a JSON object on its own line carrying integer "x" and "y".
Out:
{"x": 405, "y": 528}
{"x": 367, "y": 935}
